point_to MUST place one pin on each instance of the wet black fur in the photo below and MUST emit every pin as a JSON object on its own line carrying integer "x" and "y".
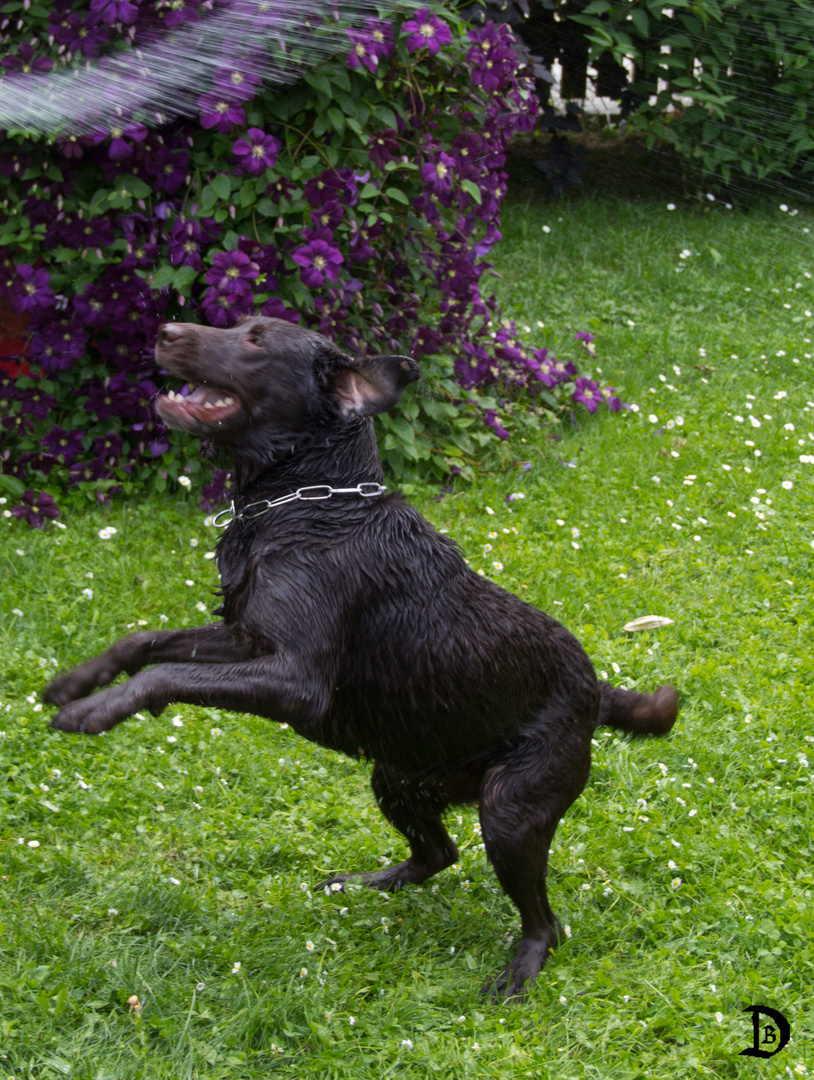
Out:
{"x": 359, "y": 625}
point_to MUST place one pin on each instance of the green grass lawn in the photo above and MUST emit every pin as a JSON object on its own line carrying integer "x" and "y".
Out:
{"x": 177, "y": 859}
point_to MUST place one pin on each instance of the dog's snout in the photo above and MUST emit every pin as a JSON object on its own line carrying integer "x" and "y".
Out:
{"x": 169, "y": 332}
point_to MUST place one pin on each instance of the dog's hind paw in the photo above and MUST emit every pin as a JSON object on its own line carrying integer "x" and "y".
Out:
{"x": 390, "y": 879}
{"x": 515, "y": 979}
{"x": 503, "y": 988}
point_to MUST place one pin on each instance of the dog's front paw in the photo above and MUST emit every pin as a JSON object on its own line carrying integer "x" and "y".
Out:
{"x": 83, "y": 680}
{"x": 97, "y": 713}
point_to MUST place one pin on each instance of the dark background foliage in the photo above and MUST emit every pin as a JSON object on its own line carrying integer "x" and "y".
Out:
{"x": 727, "y": 84}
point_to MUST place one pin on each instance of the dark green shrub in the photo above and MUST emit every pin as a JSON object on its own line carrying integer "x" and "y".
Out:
{"x": 728, "y": 83}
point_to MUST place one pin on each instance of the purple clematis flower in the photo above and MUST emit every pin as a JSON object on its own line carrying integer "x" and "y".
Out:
{"x": 491, "y": 419}
{"x": 25, "y": 62}
{"x": 467, "y": 154}
{"x": 120, "y": 149}
{"x": 214, "y": 493}
{"x": 37, "y": 403}
{"x": 230, "y": 268}
{"x": 383, "y": 146}
{"x": 492, "y": 60}
{"x": 56, "y": 344}
{"x": 82, "y": 233}
{"x": 427, "y": 342}
{"x": 64, "y": 444}
{"x": 257, "y": 152}
{"x": 586, "y": 340}
{"x": 83, "y": 471}
{"x": 360, "y": 248}
{"x": 128, "y": 354}
{"x": 184, "y": 248}
{"x": 323, "y": 188}
{"x": 113, "y": 11}
{"x": 274, "y": 308}
{"x": 426, "y": 32}
{"x": 224, "y": 307}
{"x": 108, "y": 447}
{"x": 116, "y": 396}
{"x": 370, "y": 45}
{"x": 564, "y": 370}
{"x": 165, "y": 169}
{"x": 328, "y": 216}
{"x": 319, "y": 261}
{"x": 437, "y": 174}
{"x": 79, "y": 33}
{"x": 236, "y": 84}
{"x": 360, "y": 52}
{"x": 36, "y": 508}
{"x": 31, "y": 290}
{"x": 218, "y": 111}
{"x": 587, "y": 392}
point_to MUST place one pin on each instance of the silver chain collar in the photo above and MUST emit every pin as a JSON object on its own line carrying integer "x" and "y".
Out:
{"x": 366, "y": 490}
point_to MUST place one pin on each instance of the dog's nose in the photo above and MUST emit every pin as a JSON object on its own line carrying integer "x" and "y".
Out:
{"x": 168, "y": 332}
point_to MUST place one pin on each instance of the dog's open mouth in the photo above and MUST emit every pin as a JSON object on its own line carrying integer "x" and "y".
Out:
{"x": 206, "y": 404}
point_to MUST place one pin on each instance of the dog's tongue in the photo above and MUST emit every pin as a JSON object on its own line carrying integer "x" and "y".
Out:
{"x": 203, "y": 394}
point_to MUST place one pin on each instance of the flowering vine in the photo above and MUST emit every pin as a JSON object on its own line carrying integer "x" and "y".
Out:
{"x": 363, "y": 202}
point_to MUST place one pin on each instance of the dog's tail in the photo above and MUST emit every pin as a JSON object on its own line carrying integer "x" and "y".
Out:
{"x": 640, "y": 714}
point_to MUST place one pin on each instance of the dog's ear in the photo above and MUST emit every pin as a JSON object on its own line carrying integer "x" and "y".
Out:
{"x": 373, "y": 385}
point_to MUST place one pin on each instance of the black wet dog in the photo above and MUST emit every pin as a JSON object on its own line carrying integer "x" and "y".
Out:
{"x": 354, "y": 621}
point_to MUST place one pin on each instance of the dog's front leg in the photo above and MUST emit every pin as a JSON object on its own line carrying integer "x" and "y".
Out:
{"x": 209, "y": 644}
{"x": 272, "y": 686}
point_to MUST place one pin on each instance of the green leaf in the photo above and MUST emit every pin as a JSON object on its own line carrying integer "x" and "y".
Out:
{"x": 184, "y": 277}
{"x": 319, "y": 81}
{"x": 397, "y": 194}
{"x": 222, "y": 186}
{"x": 337, "y": 118}
{"x": 638, "y": 16}
{"x": 341, "y": 76}
{"x": 163, "y": 277}
{"x": 11, "y": 484}
{"x": 208, "y": 198}
{"x": 134, "y": 186}
{"x": 96, "y": 201}
{"x": 472, "y": 189}
{"x": 385, "y": 115}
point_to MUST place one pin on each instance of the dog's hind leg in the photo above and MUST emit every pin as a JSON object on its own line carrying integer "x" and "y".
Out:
{"x": 414, "y": 808}
{"x": 523, "y": 798}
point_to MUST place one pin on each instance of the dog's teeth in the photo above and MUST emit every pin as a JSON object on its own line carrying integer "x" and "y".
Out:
{"x": 228, "y": 401}
{"x": 171, "y": 395}
{"x": 208, "y": 405}
{"x": 219, "y": 403}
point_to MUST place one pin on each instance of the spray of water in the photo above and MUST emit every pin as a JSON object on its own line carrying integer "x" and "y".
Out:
{"x": 162, "y": 78}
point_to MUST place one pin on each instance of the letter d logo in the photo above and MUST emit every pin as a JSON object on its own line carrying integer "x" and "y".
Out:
{"x": 767, "y": 1040}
